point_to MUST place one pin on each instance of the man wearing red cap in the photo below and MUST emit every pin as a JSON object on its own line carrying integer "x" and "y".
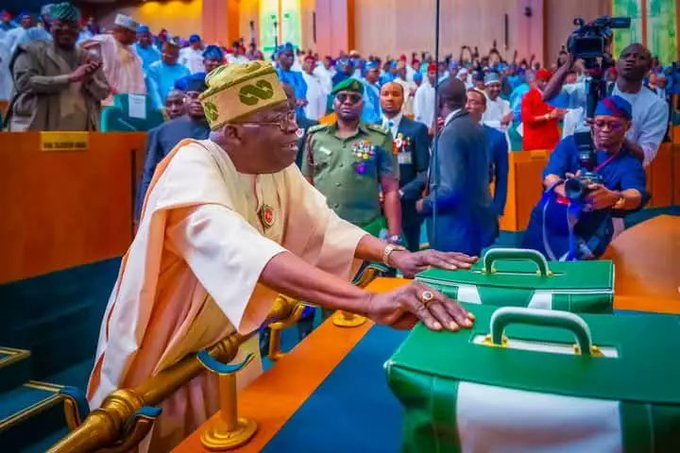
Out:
{"x": 538, "y": 118}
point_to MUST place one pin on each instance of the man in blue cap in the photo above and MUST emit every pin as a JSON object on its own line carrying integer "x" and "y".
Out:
{"x": 371, "y": 113}
{"x": 213, "y": 58}
{"x": 285, "y": 57}
{"x": 15, "y": 35}
{"x": 163, "y": 138}
{"x": 144, "y": 47}
{"x": 344, "y": 71}
{"x": 192, "y": 56}
{"x": 163, "y": 74}
{"x": 574, "y": 221}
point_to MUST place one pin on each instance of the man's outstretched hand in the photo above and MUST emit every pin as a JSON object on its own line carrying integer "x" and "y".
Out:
{"x": 412, "y": 263}
{"x": 403, "y": 308}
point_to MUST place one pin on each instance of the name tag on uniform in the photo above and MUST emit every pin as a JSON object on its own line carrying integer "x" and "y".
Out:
{"x": 325, "y": 150}
{"x": 405, "y": 158}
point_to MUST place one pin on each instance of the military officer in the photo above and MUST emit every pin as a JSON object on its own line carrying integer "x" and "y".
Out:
{"x": 350, "y": 162}
{"x": 411, "y": 148}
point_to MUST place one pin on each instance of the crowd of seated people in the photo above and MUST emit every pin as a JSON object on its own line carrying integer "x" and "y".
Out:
{"x": 61, "y": 72}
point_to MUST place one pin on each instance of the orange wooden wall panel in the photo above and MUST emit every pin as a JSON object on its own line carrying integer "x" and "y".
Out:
{"x": 676, "y": 175}
{"x": 660, "y": 178}
{"x": 525, "y": 187}
{"x": 64, "y": 209}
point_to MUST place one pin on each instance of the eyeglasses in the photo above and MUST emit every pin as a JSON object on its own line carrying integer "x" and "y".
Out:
{"x": 284, "y": 122}
{"x": 612, "y": 125}
{"x": 353, "y": 98}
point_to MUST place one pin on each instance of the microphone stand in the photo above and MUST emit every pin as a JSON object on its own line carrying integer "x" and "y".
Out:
{"x": 434, "y": 165}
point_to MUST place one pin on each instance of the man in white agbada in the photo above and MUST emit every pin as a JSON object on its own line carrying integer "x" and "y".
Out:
{"x": 498, "y": 113}
{"x": 424, "y": 102}
{"x": 316, "y": 90}
{"x": 227, "y": 223}
{"x": 122, "y": 65}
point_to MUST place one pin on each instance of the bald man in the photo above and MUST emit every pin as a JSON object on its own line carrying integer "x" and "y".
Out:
{"x": 411, "y": 146}
{"x": 650, "y": 114}
{"x": 466, "y": 218}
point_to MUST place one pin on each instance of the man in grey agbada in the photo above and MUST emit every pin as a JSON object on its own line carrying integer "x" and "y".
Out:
{"x": 57, "y": 87}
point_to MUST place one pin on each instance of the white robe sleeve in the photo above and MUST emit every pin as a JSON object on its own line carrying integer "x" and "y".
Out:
{"x": 227, "y": 256}
{"x": 316, "y": 234}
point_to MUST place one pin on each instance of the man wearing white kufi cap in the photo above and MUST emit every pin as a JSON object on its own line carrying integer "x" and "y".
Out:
{"x": 226, "y": 224}
{"x": 122, "y": 65}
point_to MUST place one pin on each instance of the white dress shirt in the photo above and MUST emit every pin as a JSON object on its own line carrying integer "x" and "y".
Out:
{"x": 192, "y": 59}
{"x": 316, "y": 96}
{"x": 392, "y": 125}
{"x": 423, "y": 104}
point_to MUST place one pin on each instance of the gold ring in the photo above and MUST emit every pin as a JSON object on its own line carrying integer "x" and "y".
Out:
{"x": 427, "y": 297}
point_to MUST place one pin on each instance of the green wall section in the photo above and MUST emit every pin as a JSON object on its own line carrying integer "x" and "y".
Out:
{"x": 662, "y": 27}
{"x": 57, "y": 316}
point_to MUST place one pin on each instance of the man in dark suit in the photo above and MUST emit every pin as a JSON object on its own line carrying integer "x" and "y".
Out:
{"x": 411, "y": 146}
{"x": 497, "y": 148}
{"x": 466, "y": 219}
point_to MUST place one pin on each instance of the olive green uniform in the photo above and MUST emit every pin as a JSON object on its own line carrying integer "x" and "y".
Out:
{"x": 348, "y": 171}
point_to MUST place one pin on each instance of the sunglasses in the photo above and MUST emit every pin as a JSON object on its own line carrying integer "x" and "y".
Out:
{"x": 612, "y": 125}
{"x": 353, "y": 98}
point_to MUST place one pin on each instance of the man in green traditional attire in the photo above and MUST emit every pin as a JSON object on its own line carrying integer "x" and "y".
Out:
{"x": 350, "y": 162}
{"x": 57, "y": 87}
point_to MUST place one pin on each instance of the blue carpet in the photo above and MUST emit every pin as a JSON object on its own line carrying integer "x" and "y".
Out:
{"x": 353, "y": 409}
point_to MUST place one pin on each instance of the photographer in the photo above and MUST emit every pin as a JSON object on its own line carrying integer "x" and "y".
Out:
{"x": 575, "y": 223}
{"x": 650, "y": 115}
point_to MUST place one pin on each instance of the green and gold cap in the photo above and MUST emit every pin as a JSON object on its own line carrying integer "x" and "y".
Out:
{"x": 238, "y": 89}
{"x": 349, "y": 85}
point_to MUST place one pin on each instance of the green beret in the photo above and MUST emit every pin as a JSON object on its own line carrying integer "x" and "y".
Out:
{"x": 349, "y": 85}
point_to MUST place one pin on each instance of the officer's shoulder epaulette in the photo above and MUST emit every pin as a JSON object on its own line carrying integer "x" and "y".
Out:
{"x": 317, "y": 128}
{"x": 377, "y": 128}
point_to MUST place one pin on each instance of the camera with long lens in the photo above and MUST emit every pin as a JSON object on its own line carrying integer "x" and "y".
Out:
{"x": 589, "y": 40}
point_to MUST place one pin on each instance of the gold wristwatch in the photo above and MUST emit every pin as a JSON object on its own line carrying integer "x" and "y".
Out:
{"x": 389, "y": 248}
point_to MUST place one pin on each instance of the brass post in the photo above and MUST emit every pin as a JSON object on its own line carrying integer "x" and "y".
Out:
{"x": 230, "y": 431}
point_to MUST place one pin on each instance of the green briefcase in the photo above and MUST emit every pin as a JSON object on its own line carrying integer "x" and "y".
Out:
{"x": 516, "y": 382}
{"x": 523, "y": 278}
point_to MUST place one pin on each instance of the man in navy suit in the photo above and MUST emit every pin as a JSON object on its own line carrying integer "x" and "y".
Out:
{"x": 411, "y": 146}
{"x": 497, "y": 148}
{"x": 466, "y": 219}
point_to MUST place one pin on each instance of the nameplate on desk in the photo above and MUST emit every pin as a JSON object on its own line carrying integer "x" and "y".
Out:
{"x": 538, "y": 155}
{"x": 64, "y": 141}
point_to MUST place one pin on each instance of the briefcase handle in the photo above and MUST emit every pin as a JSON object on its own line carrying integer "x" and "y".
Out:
{"x": 517, "y": 255}
{"x": 505, "y": 316}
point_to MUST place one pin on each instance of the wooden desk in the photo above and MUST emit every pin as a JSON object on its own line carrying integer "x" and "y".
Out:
{"x": 525, "y": 187}
{"x": 647, "y": 274}
{"x": 276, "y": 395}
{"x": 65, "y": 209}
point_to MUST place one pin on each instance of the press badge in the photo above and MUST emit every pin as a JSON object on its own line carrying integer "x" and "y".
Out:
{"x": 405, "y": 158}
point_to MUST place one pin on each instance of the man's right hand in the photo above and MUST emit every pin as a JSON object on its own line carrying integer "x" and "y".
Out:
{"x": 84, "y": 71}
{"x": 403, "y": 308}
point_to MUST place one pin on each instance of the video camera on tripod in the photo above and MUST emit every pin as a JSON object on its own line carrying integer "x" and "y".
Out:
{"x": 589, "y": 42}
